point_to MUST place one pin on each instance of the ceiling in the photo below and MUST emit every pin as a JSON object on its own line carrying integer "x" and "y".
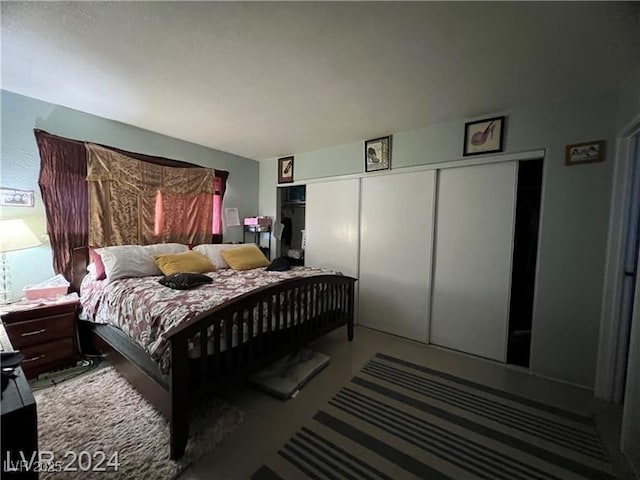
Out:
{"x": 268, "y": 79}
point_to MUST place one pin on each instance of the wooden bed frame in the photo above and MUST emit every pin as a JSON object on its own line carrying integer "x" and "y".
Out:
{"x": 192, "y": 381}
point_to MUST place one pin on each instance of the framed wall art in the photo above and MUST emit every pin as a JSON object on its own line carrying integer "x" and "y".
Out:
{"x": 484, "y": 136}
{"x": 587, "y": 152}
{"x": 377, "y": 154}
{"x": 285, "y": 170}
{"x": 11, "y": 197}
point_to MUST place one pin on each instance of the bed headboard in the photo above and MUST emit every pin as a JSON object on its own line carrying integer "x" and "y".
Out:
{"x": 80, "y": 260}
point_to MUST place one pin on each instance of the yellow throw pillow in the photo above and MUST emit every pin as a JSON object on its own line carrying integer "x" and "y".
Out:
{"x": 185, "y": 262}
{"x": 245, "y": 258}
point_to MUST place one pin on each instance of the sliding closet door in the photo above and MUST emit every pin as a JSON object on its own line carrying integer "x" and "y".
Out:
{"x": 395, "y": 253}
{"x": 472, "y": 261}
{"x": 331, "y": 223}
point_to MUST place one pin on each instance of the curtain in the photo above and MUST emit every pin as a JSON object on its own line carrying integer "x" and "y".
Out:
{"x": 63, "y": 169}
{"x": 64, "y": 191}
{"x": 220, "y": 186}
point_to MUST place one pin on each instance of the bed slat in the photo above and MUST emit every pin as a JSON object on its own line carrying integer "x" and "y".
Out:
{"x": 203, "y": 356}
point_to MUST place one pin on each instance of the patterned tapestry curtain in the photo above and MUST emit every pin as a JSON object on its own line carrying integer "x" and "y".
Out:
{"x": 62, "y": 181}
{"x": 134, "y": 202}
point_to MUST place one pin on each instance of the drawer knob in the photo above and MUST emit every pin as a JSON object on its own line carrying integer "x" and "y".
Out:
{"x": 35, "y": 332}
{"x": 33, "y": 359}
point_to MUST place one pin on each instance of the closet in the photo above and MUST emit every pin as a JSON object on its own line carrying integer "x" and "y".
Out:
{"x": 395, "y": 252}
{"x": 332, "y": 225}
{"x": 444, "y": 256}
{"x": 472, "y": 261}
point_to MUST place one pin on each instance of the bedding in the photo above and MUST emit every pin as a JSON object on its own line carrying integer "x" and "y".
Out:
{"x": 185, "y": 262}
{"x": 212, "y": 252}
{"x": 125, "y": 261}
{"x": 144, "y": 309}
{"x": 184, "y": 281}
{"x": 96, "y": 261}
{"x": 245, "y": 258}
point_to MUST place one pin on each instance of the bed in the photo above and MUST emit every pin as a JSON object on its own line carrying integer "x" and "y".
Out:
{"x": 186, "y": 362}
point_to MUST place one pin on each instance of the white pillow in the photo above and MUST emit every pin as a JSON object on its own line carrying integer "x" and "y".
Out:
{"x": 162, "y": 248}
{"x": 212, "y": 252}
{"x": 128, "y": 261}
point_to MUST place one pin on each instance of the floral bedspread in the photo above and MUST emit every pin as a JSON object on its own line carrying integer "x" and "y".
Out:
{"x": 144, "y": 309}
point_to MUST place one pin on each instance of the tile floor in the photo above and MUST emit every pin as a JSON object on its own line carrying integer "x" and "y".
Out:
{"x": 270, "y": 422}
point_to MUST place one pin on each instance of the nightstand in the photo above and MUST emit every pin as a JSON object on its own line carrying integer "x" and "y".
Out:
{"x": 45, "y": 334}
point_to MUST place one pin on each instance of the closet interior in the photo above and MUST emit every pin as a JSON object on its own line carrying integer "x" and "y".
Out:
{"x": 292, "y": 218}
{"x": 523, "y": 271}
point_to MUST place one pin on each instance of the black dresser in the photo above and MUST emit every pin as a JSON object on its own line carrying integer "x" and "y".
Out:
{"x": 19, "y": 422}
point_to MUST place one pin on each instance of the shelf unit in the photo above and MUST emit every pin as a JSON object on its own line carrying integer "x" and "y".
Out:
{"x": 258, "y": 231}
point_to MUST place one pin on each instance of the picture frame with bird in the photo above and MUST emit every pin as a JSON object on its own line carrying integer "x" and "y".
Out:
{"x": 285, "y": 169}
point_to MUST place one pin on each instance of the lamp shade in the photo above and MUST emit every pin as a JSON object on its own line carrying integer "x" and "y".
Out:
{"x": 16, "y": 235}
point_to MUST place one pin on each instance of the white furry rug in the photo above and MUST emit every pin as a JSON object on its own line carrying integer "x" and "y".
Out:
{"x": 102, "y": 412}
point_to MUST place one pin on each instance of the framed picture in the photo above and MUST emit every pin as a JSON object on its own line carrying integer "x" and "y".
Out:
{"x": 377, "y": 154}
{"x": 587, "y": 152}
{"x": 11, "y": 197}
{"x": 484, "y": 136}
{"x": 285, "y": 170}
{"x": 232, "y": 217}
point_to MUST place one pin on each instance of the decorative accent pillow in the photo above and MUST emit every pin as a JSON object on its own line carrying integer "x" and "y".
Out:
{"x": 185, "y": 281}
{"x": 212, "y": 252}
{"x": 280, "y": 264}
{"x": 96, "y": 260}
{"x": 189, "y": 261}
{"x": 128, "y": 261}
{"x": 245, "y": 258}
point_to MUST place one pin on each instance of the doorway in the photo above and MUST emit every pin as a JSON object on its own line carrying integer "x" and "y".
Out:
{"x": 628, "y": 274}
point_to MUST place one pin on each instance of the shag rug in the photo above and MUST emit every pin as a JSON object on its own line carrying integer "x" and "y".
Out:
{"x": 102, "y": 412}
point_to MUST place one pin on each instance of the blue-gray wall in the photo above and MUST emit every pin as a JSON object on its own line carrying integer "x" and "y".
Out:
{"x": 574, "y": 219}
{"x": 20, "y": 166}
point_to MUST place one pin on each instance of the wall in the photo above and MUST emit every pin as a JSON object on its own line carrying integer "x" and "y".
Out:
{"x": 20, "y": 166}
{"x": 573, "y": 222}
{"x": 629, "y": 99}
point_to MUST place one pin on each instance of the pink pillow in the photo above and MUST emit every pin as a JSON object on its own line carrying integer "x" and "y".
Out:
{"x": 96, "y": 259}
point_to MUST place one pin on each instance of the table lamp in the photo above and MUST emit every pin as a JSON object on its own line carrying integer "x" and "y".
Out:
{"x": 14, "y": 235}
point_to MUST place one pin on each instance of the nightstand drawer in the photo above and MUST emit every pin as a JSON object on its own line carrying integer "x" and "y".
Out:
{"x": 52, "y": 352}
{"x": 43, "y": 330}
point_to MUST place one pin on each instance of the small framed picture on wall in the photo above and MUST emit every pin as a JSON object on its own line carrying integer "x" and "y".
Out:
{"x": 484, "y": 136}
{"x": 11, "y": 197}
{"x": 587, "y": 152}
{"x": 377, "y": 154}
{"x": 285, "y": 170}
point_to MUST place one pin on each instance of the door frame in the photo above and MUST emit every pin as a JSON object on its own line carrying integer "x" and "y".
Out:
{"x": 610, "y": 322}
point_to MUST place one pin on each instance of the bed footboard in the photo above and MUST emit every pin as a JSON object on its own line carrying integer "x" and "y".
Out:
{"x": 248, "y": 333}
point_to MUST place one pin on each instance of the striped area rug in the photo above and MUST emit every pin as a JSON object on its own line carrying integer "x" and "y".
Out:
{"x": 398, "y": 420}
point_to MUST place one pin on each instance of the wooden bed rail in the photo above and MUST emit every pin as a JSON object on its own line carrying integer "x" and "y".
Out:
{"x": 246, "y": 334}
